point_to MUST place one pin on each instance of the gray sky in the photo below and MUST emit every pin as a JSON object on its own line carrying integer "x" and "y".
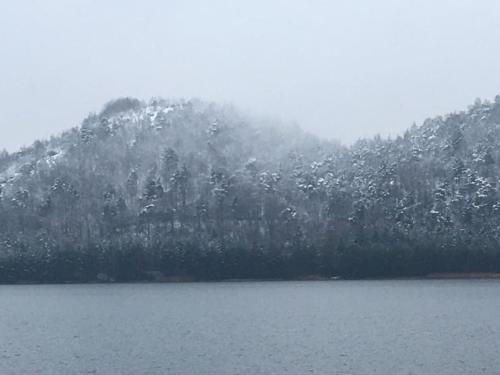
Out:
{"x": 341, "y": 69}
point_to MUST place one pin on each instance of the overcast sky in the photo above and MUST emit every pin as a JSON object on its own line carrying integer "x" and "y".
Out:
{"x": 341, "y": 69}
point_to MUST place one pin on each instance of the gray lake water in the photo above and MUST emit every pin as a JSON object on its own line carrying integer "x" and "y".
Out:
{"x": 339, "y": 327}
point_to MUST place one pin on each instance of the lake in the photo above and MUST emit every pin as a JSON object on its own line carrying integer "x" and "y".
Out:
{"x": 316, "y": 327}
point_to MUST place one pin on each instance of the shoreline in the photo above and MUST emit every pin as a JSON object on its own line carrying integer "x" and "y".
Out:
{"x": 185, "y": 280}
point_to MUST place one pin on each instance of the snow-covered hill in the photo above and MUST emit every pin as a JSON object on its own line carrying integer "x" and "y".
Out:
{"x": 192, "y": 188}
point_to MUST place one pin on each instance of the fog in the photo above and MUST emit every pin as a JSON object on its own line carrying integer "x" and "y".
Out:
{"x": 341, "y": 69}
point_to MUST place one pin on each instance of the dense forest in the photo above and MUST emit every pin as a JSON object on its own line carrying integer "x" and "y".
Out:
{"x": 170, "y": 190}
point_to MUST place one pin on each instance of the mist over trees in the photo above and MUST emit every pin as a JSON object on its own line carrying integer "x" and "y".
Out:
{"x": 187, "y": 189}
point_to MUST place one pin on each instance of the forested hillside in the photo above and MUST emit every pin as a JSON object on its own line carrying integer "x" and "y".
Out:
{"x": 186, "y": 189}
